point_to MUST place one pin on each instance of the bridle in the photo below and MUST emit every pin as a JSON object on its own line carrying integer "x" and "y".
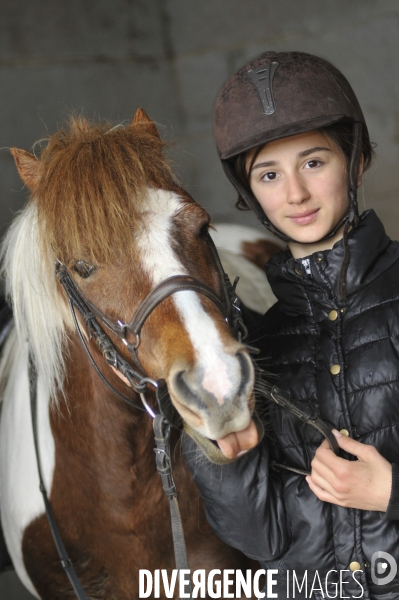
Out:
{"x": 138, "y": 379}
{"x": 167, "y": 416}
{"x": 228, "y": 305}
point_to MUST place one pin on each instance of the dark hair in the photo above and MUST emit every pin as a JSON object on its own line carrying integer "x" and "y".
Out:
{"x": 341, "y": 135}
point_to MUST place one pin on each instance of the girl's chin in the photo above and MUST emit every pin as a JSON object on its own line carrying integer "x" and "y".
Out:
{"x": 306, "y": 237}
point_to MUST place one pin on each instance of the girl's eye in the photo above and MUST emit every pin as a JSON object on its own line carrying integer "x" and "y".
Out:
{"x": 270, "y": 176}
{"x": 311, "y": 164}
{"x": 83, "y": 269}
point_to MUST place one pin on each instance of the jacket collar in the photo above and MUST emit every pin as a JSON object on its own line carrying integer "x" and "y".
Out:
{"x": 371, "y": 253}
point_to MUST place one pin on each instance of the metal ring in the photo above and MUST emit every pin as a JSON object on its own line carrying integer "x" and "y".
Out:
{"x": 147, "y": 406}
{"x": 142, "y": 394}
{"x": 150, "y": 381}
{"x": 137, "y": 344}
{"x": 130, "y": 346}
{"x": 124, "y": 327}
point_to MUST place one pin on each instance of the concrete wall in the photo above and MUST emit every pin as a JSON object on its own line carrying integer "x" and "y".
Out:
{"x": 171, "y": 56}
{"x": 107, "y": 57}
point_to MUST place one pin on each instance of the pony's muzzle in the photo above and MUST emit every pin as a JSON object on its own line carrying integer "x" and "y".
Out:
{"x": 217, "y": 398}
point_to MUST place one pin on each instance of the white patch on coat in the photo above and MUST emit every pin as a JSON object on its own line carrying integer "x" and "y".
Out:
{"x": 221, "y": 371}
{"x": 230, "y": 236}
{"x": 253, "y": 287}
{"x": 20, "y": 498}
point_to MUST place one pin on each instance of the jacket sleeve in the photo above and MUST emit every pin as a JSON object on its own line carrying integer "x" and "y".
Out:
{"x": 243, "y": 501}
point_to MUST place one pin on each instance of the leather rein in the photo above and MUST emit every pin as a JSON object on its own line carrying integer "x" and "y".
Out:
{"x": 167, "y": 416}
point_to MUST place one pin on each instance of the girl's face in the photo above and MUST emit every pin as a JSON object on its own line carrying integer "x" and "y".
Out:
{"x": 301, "y": 182}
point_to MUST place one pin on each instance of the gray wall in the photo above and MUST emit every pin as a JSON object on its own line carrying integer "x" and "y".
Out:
{"x": 106, "y": 58}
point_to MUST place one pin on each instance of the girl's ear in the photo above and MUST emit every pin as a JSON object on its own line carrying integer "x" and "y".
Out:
{"x": 28, "y": 167}
{"x": 360, "y": 171}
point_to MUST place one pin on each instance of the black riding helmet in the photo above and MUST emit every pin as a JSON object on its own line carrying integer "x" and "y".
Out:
{"x": 278, "y": 95}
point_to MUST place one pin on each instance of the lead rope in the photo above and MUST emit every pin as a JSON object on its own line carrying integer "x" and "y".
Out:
{"x": 308, "y": 415}
{"x": 66, "y": 562}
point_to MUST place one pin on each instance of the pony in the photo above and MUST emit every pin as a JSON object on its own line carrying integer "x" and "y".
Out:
{"x": 105, "y": 205}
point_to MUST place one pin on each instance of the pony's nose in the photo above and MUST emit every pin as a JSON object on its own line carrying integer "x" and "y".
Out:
{"x": 217, "y": 384}
{"x": 216, "y": 403}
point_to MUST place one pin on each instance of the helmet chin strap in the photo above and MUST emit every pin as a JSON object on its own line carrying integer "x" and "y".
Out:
{"x": 288, "y": 239}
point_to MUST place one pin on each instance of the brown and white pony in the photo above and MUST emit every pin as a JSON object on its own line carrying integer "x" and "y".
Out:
{"x": 104, "y": 202}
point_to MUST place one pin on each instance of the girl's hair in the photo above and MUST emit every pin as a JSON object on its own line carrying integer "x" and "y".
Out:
{"x": 340, "y": 134}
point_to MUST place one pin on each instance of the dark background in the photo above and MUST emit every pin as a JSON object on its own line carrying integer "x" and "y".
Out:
{"x": 106, "y": 58}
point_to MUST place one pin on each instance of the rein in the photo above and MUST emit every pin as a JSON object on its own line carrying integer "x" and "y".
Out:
{"x": 168, "y": 416}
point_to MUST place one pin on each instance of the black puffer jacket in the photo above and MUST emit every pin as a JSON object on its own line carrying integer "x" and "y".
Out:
{"x": 343, "y": 359}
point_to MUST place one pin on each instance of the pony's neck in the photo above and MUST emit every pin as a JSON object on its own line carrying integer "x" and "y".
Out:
{"x": 105, "y": 429}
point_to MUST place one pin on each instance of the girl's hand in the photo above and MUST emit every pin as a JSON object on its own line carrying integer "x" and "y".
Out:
{"x": 365, "y": 483}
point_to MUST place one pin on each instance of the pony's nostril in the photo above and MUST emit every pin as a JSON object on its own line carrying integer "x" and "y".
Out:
{"x": 247, "y": 370}
{"x": 179, "y": 376}
{"x": 180, "y": 383}
{"x": 187, "y": 394}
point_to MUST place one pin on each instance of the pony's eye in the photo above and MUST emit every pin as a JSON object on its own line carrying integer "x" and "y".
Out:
{"x": 83, "y": 269}
{"x": 203, "y": 232}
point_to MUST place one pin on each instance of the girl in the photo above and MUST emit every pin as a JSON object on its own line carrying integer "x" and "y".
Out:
{"x": 293, "y": 141}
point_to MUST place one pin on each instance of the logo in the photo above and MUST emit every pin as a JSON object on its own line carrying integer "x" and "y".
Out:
{"x": 383, "y": 568}
{"x": 262, "y": 78}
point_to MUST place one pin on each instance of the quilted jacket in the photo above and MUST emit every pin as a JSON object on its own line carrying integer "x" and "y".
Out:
{"x": 342, "y": 358}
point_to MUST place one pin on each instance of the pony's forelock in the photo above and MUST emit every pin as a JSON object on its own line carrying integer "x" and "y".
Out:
{"x": 31, "y": 289}
{"x": 92, "y": 180}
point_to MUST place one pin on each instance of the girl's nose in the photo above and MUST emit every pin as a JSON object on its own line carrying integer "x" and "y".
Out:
{"x": 297, "y": 191}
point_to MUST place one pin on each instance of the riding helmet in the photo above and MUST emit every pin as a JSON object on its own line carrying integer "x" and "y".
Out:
{"x": 281, "y": 94}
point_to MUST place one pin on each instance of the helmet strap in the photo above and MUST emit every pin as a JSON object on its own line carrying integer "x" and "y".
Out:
{"x": 353, "y": 217}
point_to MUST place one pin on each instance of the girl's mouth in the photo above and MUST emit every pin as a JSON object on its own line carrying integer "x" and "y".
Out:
{"x": 305, "y": 218}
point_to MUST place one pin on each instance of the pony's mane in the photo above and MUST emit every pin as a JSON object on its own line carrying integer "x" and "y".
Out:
{"x": 39, "y": 311}
{"x": 92, "y": 179}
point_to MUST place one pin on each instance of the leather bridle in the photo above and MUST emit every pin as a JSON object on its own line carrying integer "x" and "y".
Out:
{"x": 228, "y": 305}
{"x": 138, "y": 380}
{"x": 167, "y": 417}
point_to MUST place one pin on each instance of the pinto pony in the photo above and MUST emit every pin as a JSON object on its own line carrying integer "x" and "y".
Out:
{"x": 104, "y": 203}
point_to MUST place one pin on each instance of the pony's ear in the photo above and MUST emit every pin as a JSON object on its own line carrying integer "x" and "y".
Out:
{"x": 141, "y": 118}
{"x": 28, "y": 167}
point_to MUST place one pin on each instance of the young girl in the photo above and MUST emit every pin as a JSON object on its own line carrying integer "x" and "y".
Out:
{"x": 293, "y": 141}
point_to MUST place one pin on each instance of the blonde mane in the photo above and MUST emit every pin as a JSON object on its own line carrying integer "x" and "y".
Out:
{"x": 31, "y": 290}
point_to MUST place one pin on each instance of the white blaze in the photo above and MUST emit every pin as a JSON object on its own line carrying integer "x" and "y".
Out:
{"x": 221, "y": 372}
